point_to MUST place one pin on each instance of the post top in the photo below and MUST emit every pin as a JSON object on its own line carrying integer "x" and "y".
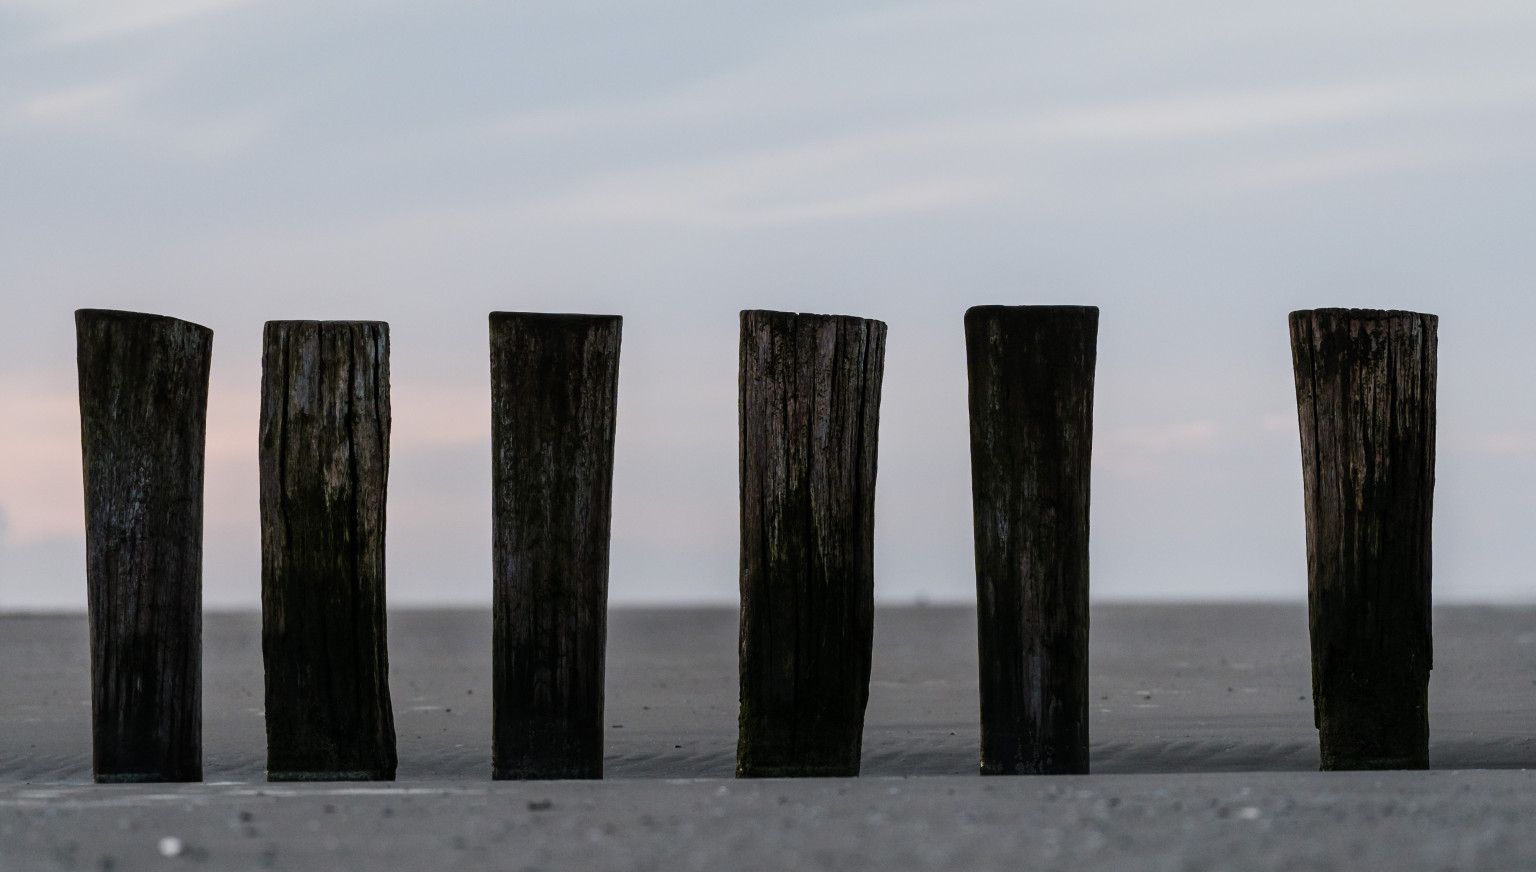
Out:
{"x": 999, "y": 309}
{"x": 1361, "y": 314}
{"x": 145, "y": 319}
{"x": 309, "y": 330}
{"x": 555, "y": 317}
{"x": 773, "y": 313}
{"x": 285, "y": 322}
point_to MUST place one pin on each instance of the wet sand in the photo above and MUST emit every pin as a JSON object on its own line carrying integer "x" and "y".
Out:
{"x": 1181, "y": 694}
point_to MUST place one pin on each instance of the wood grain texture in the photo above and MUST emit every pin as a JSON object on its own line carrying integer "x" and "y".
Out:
{"x": 1365, "y": 394}
{"x": 809, "y": 418}
{"x": 325, "y": 423}
{"x": 143, "y": 419}
{"x": 554, "y": 398}
{"x": 1031, "y": 374}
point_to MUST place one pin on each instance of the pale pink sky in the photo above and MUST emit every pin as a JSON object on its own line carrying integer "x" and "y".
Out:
{"x": 1195, "y": 168}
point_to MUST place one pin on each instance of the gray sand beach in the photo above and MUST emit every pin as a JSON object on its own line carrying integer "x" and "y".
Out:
{"x": 1204, "y": 757}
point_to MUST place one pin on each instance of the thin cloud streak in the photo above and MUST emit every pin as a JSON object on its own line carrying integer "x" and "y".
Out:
{"x": 71, "y": 24}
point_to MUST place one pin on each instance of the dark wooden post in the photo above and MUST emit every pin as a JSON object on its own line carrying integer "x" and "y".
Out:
{"x": 554, "y": 395}
{"x": 1031, "y": 397}
{"x": 324, "y": 475}
{"x": 143, "y": 418}
{"x": 809, "y": 417}
{"x": 1365, "y": 392}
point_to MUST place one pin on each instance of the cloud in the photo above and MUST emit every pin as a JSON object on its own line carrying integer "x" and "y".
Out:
{"x": 1503, "y": 445}
{"x": 83, "y": 103}
{"x": 72, "y": 23}
{"x": 1129, "y": 121}
{"x": 1150, "y": 450}
{"x": 1215, "y": 114}
{"x": 1197, "y": 168}
{"x": 1161, "y": 438}
{"x": 1278, "y": 422}
{"x": 1296, "y": 137}
{"x": 740, "y": 203}
{"x": 121, "y": 110}
{"x": 130, "y": 96}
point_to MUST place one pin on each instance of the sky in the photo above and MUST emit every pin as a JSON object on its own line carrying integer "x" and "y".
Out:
{"x": 1195, "y": 168}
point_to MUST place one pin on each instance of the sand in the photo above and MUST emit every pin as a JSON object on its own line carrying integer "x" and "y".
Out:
{"x": 1203, "y": 752}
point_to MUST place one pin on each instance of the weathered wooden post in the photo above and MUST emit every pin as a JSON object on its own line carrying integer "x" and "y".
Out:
{"x": 554, "y": 395}
{"x": 325, "y": 421}
{"x": 1365, "y": 393}
{"x": 143, "y": 419}
{"x": 809, "y": 417}
{"x": 1031, "y": 399}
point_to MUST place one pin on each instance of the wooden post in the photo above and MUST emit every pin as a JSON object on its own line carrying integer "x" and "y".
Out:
{"x": 143, "y": 418}
{"x": 325, "y": 423}
{"x": 1031, "y": 399}
{"x": 554, "y": 395}
{"x": 1365, "y": 392}
{"x": 809, "y": 417}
